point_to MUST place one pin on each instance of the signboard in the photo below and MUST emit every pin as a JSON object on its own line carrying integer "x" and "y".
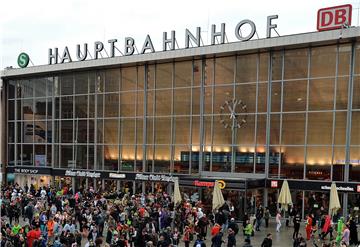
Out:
{"x": 339, "y": 188}
{"x": 23, "y": 60}
{"x": 117, "y": 175}
{"x": 155, "y": 178}
{"x": 199, "y": 183}
{"x": 244, "y": 31}
{"x": 358, "y": 189}
{"x": 334, "y": 17}
{"x": 274, "y": 184}
{"x": 70, "y": 173}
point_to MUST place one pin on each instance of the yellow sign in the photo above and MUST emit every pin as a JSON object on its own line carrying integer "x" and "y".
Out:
{"x": 222, "y": 184}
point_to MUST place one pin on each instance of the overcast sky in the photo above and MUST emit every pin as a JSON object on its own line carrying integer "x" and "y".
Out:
{"x": 35, "y": 26}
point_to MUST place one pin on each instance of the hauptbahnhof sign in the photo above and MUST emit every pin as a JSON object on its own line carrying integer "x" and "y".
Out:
{"x": 169, "y": 42}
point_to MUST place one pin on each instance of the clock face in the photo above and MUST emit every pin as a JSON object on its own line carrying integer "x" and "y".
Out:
{"x": 230, "y": 111}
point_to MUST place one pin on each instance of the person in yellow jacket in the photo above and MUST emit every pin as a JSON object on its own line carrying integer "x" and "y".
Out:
{"x": 248, "y": 230}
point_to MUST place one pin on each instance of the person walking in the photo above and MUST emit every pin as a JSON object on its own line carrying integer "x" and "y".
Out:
{"x": 267, "y": 242}
{"x": 248, "y": 231}
{"x": 267, "y": 217}
{"x": 231, "y": 238}
{"x": 259, "y": 216}
{"x": 308, "y": 227}
{"x": 278, "y": 221}
{"x": 296, "y": 221}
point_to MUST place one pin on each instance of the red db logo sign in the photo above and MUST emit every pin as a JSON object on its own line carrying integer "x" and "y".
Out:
{"x": 358, "y": 188}
{"x": 334, "y": 17}
{"x": 274, "y": 184}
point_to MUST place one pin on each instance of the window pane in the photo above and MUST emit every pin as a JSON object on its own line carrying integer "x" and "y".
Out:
{"x": 163, "y": 102}
{"x": 293, "y": 129}
{"x": 339, "y": 163}
{"x": 221, "y": 135}
{"x": 11, "y": 155}
{"x": 67, "y": 84}
{"x": 27, "y": 155}
{"x": 111, "y": 105}
{"x": 224, "y": 70}
{"x": 127, "y": 105}
{"x": 112, "y": 80}
{"x": 11, "y": 89}
{"x": 127, "y": 131}
{"x": 354, "y": 173}
{"x": 263, "y": 66}
{"x": 262, "y": 97}
{"x": 140, "y": 103}
{"x": 81, "y": 83}
{"x": 67, "y": 131}
{"x": 340, "y": 128}
{"x": 197, "y": 72}
{"x": 195, "y": 128}
{"x": 162, "y": 130}
{"x": 355, "y": 128}
{"x": 40, "y": 131}
{"x": 246, "y": 68}
{"x": 261, "y": 130}
{"x": 323, "y": 61}
{"x": 66, "y": 154}
{"x": 111, "y": 131}
{"x": 128, "y": 78}
{"x": 111, "y": 155}
{"x": 276, "y": 97}
{"x": 28, "y": 132}
{"x": 320, "y": 128}
{"x": 81, "y": 156}
{"x": 183, "y": 74}
{"x": 182, "y": 130}
{"x": 247, "y": 94}
{"x": 40, "y": 86}
{"x": 318, "y": 163}
{"x": 275, "y": 129}
{"x": 223, "y": 101}
{"x": 321, "y": 94}
{"x": 207, "y": 131}
{"x": 67, "y": 107}
{"x": 344, "y": 59}
{"x": 181, "y": 159}
{"x": 162, "y": 159}
{"x": 40, "y": 155}
{"x": 293, "y": 160}
{"x": 195, "y": 101}
{"x": 342, "y": 93}
{"x": 246, "y": 133}
{"x": 294, "y": 96}
{"x": 296, "y": 64}
{"x": 356, "y": 93}
{"x": 277, "y": 61}
{"x": 209, "y": 72}
{"x": 11, "y": 110}
{"x": 81, "y": 106}
{"x": 182, "y": 101}
{"x": 208, "y": 91}
{"x": 164, "y": 75}
{"x": 81, "y": 130}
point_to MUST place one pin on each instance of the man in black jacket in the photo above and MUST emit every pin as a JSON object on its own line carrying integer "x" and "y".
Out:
{"x": 231, "y": 239}
{"x": 267, "y": 242}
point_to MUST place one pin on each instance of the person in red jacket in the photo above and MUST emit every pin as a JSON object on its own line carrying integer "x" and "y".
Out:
{"x": 32, "y": 235}
{"x": 308, "y": 227}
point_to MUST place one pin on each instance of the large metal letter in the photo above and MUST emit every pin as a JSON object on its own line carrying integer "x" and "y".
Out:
{"x": 65, "y": 55}
{"x": 238, "y": 27}
{"x": 53, "y": 56}
{"x": 98, "y": 47}
{"x": 189, "y": 35}
{"x": 269, "y": 25}
{"x": 112, "y": 47}
{"x": 147, "y": 45}
{"x": 215, "y": 34}
{"x": 170, "y": 41}
{"x": 84, "y": 53}
{"x": 129, "y": 46}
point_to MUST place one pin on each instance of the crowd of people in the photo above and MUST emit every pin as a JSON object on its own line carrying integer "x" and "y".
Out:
{"x": 66, "y": 218}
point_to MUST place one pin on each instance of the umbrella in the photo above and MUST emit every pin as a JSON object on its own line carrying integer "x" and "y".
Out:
{"x": 334, "y": 200}
{"x": 218, "y": 198}
{"x": 177, "y": 195}
{"x": 285, "y": 196}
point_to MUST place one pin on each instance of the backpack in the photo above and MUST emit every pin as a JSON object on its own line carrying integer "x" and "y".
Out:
{"x": 198, "y": 243}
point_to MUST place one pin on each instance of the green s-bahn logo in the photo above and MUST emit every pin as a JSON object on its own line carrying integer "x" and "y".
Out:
{"x": 23, "y": 60}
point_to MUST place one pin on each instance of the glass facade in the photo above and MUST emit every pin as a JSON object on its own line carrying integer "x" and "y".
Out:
{"x": 292, "y": 113}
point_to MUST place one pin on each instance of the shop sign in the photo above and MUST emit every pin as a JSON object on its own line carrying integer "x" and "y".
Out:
{"x": 117, "y": 175}
{"x": 334, "y": 17}
{"x": 339, "y": 188}
{"x": 198, "y": 183}
{"x": 169, "y": 42}
{"x": 70, "y": 173}
{"x": 274, "y": 184}
{"x": 156, "y": 178}
{"x": 26, "y": 171}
